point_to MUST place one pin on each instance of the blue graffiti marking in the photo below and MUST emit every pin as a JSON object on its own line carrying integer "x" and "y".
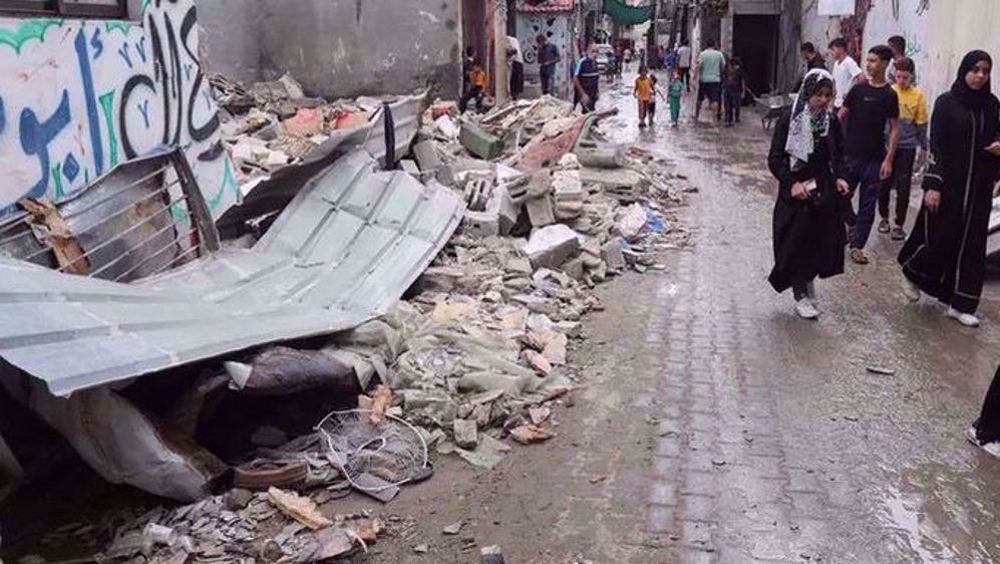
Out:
{"x": 3, "y": 117}
{"x": 93, "y": 116}
{"x": 140, "y": 48}
{"x": 36, "y": 136}
{"x": 71, "y": 168}
{"x": 123, "y": 51}
{"x": 96, "y": 43}
{"x": 144, "y": 110}
{"x": 188, "y": 67}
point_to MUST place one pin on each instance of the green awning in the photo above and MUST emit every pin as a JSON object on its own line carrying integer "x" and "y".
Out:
{"x": 628, "y": 15}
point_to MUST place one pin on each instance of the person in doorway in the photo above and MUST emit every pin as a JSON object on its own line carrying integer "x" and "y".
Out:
{"x": 675, "y": 93}
{"x": 898, "y": 45}
{"x": 806, "y": 158}
{"x": 467, "y": 64}
{"x": 732, "y": 91}
{"x": 985, "y": 431}
{"x": 644, "y": 93}
{"x": 812, "y": 57}
{"x": 846, "y": 72}
{"x": 711, "y": 63}
{"x": 945, "y": 256}
{"x": 913, "y": 118}
{"x": 587, "y": 80}
{"x": 477, "y": 87}
{"x": 870, "y": 109}
{"x": 548, "y": 58}
{"x": 684, "y": 63}
{"x": 515, "y": 58}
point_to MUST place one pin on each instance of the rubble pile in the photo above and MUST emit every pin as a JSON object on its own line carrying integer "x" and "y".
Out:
{"x": 225, "y": 528}
{"x": 485, "y": 341}
{"x": 271, "y": 125}
{"x": 474, "y": 360}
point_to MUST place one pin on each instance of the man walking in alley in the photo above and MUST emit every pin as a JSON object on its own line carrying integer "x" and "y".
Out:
{"x": 868, "y": 109}
{"x": 812, "y": 57}
{"x": 898, "y": 45}
{"x": 548, "y": 58}
{"x": 913, "y": 119}
{"x": 846, "y": 72}
{"x": 684, "y": 63}
{"x": 711, "y": 63}
{"x": 587, "y": 80}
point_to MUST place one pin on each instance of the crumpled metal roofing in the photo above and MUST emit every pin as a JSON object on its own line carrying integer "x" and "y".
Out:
{"x": 342, "y": 252}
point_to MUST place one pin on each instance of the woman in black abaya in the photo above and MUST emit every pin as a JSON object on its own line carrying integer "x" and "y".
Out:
{"x": 945, "y": 255}
{"x": 806, "y": 158}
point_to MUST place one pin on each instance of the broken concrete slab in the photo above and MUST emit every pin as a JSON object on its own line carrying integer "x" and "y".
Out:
{"x": 600, "y": 154}
{"x": 612, "y": 178}
{"x": 551, "y": 246}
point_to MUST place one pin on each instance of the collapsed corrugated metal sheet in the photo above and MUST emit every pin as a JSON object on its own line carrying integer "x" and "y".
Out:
{"x": 342, "y": 252}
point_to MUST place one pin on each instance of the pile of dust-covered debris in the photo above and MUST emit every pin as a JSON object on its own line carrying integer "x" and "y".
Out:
{"x": 473, "y": 361}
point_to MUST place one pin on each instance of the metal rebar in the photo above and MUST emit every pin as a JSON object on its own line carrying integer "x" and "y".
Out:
{"x": 156, "y": 254}
{"x": 132, "y": 249}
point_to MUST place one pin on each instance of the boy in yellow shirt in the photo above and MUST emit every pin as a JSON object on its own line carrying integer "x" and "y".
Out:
{"x": 913, "y": 119}
{"x": 477, "y": 87}
{"x": 644, "y": 93}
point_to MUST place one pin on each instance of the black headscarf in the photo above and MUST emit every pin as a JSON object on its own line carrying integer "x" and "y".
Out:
{"x": 972, "y": 99}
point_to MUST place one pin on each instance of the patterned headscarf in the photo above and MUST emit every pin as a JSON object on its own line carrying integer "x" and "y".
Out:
{"x": 806, "y": 127}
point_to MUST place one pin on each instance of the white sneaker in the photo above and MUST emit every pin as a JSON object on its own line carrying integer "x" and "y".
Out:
{"x": 805, "y": 309}
{"x": 966, "y": 319}
{"x": 992, "y": 449}
{"x": 911, "y": 290}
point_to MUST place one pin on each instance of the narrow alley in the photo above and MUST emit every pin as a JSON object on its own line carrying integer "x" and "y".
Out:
{"x": 716, "y": 426}
{"x": 379, "y": 282}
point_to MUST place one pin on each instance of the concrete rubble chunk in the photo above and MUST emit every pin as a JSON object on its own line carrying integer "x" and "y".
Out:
{"x": 466, "y": 433}
{"x": 612, "y": 178}
{"x": 506, "y": 210}
{"x": 601, "y": 154}
{"x": 631, "y": 222}
{"x": 551, "y": 246}
{"x": 482, "y": 224}
{"x": 568, "y": 194}
{"x": 613, "y": 254}
{"x": 491, "y": 555}
{"x": 480, "y": 142}
{"x": 541, "y": 212}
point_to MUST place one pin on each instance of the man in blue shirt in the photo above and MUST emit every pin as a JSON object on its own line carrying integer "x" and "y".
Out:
{"x": 548, "y": 57}
{"x": 587, "y": 80}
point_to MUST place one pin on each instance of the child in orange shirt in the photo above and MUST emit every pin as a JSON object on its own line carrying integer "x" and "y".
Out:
{"x": 644, "y": 92}
{"x": 477, "y": 87}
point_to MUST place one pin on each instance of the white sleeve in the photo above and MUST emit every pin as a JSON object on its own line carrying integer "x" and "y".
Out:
{"x": 854, "y": 69}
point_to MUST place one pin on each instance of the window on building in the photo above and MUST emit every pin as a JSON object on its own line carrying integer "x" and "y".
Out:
{"x": 71, "y": 8}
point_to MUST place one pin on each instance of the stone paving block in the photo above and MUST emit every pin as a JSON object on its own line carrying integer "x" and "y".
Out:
{"x": 551, "y": 246}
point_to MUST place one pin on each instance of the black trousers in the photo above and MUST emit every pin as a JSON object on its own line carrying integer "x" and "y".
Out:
{"x": 901, "y": 181}
{"x": 546, "y": 77}
{"x": 733, "y": 102}
{"x": 474, "y": 93}
{"x": 988, "y": 425}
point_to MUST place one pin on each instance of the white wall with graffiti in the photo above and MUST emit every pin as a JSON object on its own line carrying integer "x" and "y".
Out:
{"x": 78, "y": 97}
{"x": 938, "y": 33}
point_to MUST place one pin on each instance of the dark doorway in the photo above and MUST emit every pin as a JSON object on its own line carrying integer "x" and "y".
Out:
{"x": 755, "y": 42}
{"x": 474, "y": 26}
